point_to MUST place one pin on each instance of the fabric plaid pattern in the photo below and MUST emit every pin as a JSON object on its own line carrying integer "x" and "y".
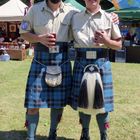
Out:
{"x": 105, "y": 67}
{"x": 38, "y": 94}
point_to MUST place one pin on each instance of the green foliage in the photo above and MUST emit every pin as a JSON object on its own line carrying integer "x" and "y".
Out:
{"x": 26, "y": 1}
{"x": 3, "y": 1}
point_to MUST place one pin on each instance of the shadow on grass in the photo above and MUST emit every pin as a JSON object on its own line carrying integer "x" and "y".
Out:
{"x": 21, "y": 135}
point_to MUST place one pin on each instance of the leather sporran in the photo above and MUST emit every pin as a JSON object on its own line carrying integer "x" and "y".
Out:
{"x": 91, "y": 99}
{"x": 53, "y": 76}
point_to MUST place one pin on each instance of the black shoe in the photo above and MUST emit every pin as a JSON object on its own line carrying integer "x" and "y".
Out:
{"x": 52, "y": 135}
{"x": 104, "y": 136}
{"x": 85, "y": 134}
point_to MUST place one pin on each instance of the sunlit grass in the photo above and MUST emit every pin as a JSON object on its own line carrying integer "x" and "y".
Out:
{"x": 125, "y": 120}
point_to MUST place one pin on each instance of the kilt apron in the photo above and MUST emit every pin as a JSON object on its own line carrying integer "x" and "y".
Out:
{"x": 38, "y": 93}
{"x": 106, "y": 76}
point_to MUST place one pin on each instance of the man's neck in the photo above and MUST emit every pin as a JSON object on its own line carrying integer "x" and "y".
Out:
{"x": 53, "y": 7}
{"x": 95, "y": 10}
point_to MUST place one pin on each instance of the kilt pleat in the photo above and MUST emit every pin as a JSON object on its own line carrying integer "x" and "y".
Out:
{"x": 38, "y": 93}
{"x": 106, "y": 76}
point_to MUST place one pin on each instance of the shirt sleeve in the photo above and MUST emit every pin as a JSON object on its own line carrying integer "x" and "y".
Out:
{"x": 71, "y": 37}
{"x": 115, "y": 33}
{"x": 27, "y": 22}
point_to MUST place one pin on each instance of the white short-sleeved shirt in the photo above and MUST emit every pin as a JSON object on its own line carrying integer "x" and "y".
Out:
{"x": 41, "y": 20}
{"x": 84, "y": 25}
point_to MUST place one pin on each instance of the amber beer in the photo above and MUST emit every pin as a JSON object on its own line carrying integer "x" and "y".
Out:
{"x": 55, "y": 48}
{"x": 54, "y": 34}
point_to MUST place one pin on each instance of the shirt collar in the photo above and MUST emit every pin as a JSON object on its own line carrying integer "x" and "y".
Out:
{"x": 100, "y": 11}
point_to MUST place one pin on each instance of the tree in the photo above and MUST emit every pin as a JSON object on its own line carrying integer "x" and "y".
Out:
{"x": 3, "y": 1}
{"x": 105, "y": 4}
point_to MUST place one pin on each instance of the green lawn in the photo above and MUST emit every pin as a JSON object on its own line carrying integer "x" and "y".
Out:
{"x": 125, "y": 120}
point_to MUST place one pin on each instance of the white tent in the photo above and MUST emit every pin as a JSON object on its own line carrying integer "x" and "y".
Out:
{"x": 13, "y": 10}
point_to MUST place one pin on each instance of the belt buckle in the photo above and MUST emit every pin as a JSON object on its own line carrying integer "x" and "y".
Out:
{"x": 54, "y": 49}
{"x": 91, "y": 54}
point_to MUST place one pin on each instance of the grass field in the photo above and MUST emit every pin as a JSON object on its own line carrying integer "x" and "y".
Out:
{"x": 125, "y": 120}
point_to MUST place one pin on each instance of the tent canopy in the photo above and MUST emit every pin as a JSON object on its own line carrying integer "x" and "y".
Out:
{"x": 13, "y": 10}
{"x": 75, "y": 4}
{"x": 123, "y": 4}
{"x": 129, "y": 13}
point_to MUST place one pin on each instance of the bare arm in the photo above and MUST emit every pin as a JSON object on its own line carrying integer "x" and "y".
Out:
{"x": 103, "y": 38}
{"x": 114, "y": 44}
{"x": 46, "y": 39}
{"x": 32, "y": 38}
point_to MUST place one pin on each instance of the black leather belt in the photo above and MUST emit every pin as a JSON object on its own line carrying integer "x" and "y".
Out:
{"x": 103, "y": 53}
{"x": 63, "y": 47}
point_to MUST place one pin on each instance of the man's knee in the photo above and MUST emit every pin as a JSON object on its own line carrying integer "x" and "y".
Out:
{"x": 32, "y": 111}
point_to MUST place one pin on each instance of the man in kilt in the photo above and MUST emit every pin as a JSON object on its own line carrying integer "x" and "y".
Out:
{"x": 94, "y": 35}
{"x": 43, "y": 19}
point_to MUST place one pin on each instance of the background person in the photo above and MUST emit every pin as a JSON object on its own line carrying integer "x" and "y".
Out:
{"x": 94, "y": 34}
{"x": 137, "y": 31}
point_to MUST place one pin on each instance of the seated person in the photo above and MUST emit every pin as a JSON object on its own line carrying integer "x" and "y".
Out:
{"x": 4, "y": 56}
{"x": 2, "y": 38}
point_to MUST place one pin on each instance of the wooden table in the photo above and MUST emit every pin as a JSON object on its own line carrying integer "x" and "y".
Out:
{"x": 19, "y": 54}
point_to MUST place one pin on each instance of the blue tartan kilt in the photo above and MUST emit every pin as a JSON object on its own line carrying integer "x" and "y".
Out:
{"x": 38, "y": 93}
{"x": 106, "y": 76}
